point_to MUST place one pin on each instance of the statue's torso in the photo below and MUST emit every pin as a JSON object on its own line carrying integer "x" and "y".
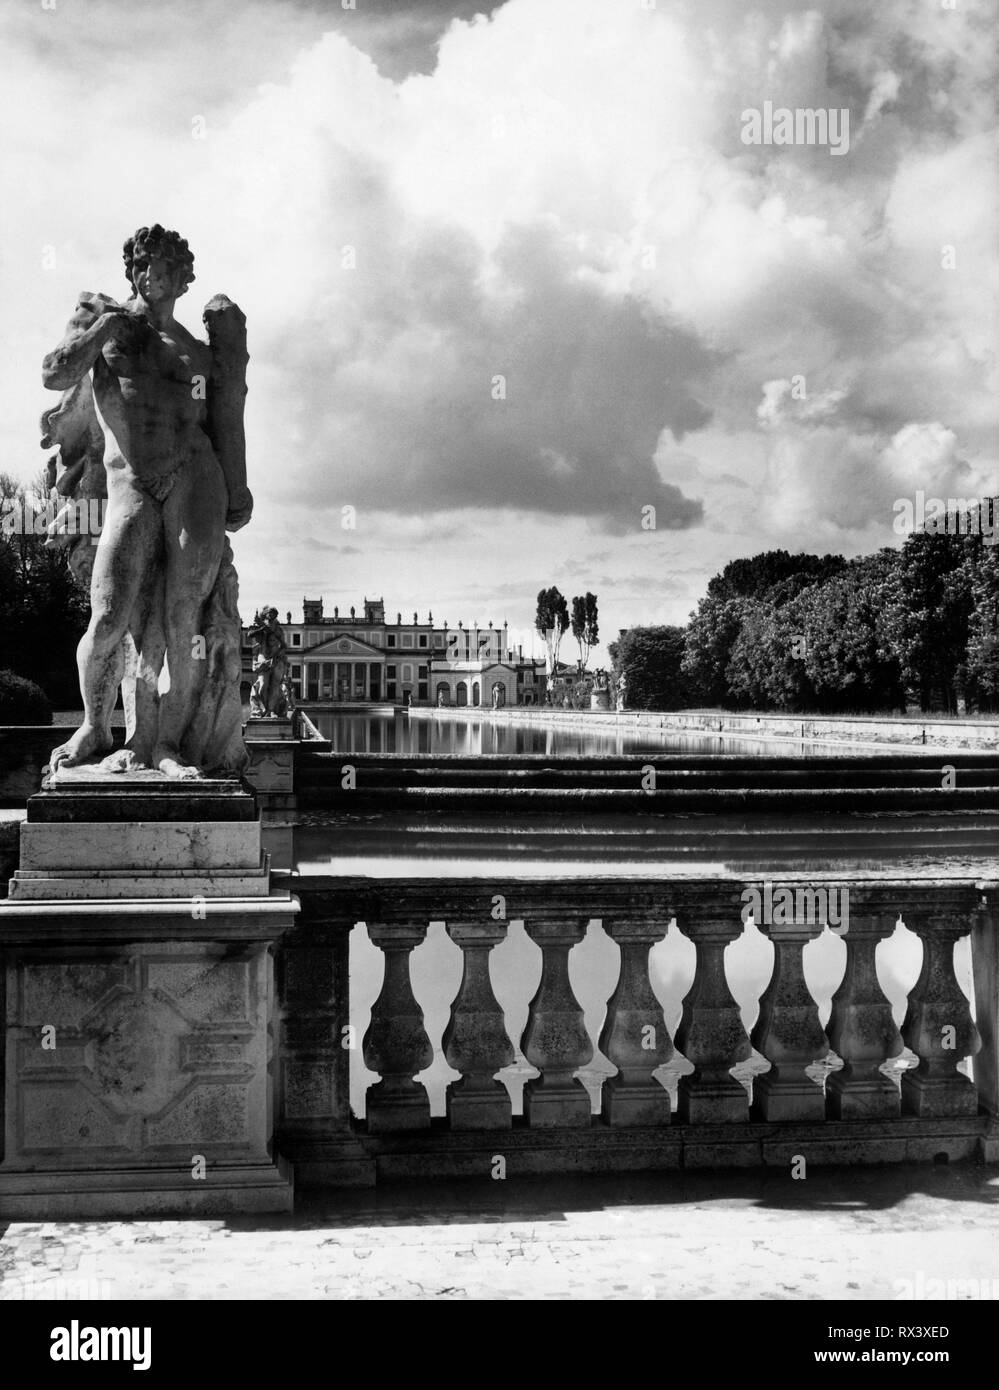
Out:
{"x": 150, "y": 387}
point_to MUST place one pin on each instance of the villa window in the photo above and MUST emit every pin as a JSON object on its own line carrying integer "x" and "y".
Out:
{"x": 390, "y": 673}
{"x": 296, "y": 639}
{"x": 423, "y": 639}
{"x": 390, "y": 639}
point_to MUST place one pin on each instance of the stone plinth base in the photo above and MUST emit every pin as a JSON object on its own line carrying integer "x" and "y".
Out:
{"x": 137, "y": 1041}
{"x": 711, "y": 1102}
{"x": 546, "y": 1106}
{"x": 392, "y": 1109}
{"x": 140, "y": 845}
{"x": 30, "y": 885}
{"x": 66, "y": 1195}
{"x": 79, "y": 794}
{"x": 780, "y": 1102}
{"x": 635, "y": 1105}
{"x": 989, "y": 1151}
{"x": 269, "y": 729}
{"x": 867, "y": 1100}
{"x": 485, "y": 1108}
{"x": 139, "y": 1020}
{"x": 938, "y": 1097}
{"x": 271, "y": 744}
{"x": 94, "y": 835}
{"x": 136, "y": 1044}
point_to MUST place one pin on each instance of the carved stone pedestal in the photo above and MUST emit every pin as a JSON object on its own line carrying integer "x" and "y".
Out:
{"x": 139, "y": 1028}
{"x": 271, "y": 744}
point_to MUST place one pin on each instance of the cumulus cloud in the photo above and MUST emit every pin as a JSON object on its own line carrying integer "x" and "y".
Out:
{"x": 520, "y": 266}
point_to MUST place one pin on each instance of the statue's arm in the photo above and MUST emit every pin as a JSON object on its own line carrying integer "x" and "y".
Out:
{"x": 88, "y": 330}
{"x": 226, "y": 327}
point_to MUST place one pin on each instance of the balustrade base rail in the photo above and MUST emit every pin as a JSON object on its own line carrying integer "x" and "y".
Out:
{"x": 362, "y": 1159}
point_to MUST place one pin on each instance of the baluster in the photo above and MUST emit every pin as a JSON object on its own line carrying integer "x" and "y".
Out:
{"x": 788, "y": 1032}
{"x": 555, "y": 1039}
{"x": 861, "y": 1028}
{"x": 711, "y": 1035}
{"x": 634, "y": 1035}
{"x": 475, "y": 1040}
{"x": 938, "y": 1024}
{"x": 396, "y": 1043}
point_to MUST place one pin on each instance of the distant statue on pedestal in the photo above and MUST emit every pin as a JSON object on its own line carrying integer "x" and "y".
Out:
{"x": 269, "y": 697}
{"x": 621, "y": 692}
{"x": 288, "y": 691}
{"x": 151, "y": 418}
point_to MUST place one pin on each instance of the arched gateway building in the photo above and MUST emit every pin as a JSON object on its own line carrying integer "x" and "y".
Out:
{"x": 358, "y": 658}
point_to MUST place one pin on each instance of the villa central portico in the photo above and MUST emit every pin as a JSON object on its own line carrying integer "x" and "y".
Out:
{"x": 346, "y": 669}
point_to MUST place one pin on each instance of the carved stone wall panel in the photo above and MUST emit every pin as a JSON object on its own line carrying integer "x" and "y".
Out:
{"x": 154, "y": 1053}
{"x": 216, "y": 991}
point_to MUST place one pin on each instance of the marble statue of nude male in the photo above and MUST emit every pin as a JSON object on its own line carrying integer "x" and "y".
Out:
{"x": 172, "y": 493}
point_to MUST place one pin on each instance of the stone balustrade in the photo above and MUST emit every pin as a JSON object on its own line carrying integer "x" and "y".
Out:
{"x": 855, "y": 1112}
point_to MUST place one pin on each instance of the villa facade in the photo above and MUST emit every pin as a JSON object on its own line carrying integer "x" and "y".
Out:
{"x": 361, "y": 658}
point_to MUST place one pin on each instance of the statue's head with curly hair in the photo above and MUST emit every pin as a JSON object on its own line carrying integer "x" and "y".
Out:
{"x": 152, "y": 245}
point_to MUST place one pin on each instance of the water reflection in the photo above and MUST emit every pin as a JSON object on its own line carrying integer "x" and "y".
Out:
{"x": 401, "y": 844}
{"x": 423, "y": 733}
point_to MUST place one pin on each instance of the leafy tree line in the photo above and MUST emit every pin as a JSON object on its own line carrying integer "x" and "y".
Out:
{"x": 913, "y": 628}
{"x": 43, "y": 611}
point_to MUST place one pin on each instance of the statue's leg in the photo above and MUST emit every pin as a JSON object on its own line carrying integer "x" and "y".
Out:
{"x": 128, "y": 545}
{"x": 140, "y": 694}
{"x": 194, "y": 537}
{"x": 151, "y": 643}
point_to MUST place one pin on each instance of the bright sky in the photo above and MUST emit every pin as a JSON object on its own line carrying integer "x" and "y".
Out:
{"x": 556, "y": 194}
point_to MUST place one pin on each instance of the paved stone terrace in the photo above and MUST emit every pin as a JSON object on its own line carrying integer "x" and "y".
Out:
{"x": 839, "y": 1233}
